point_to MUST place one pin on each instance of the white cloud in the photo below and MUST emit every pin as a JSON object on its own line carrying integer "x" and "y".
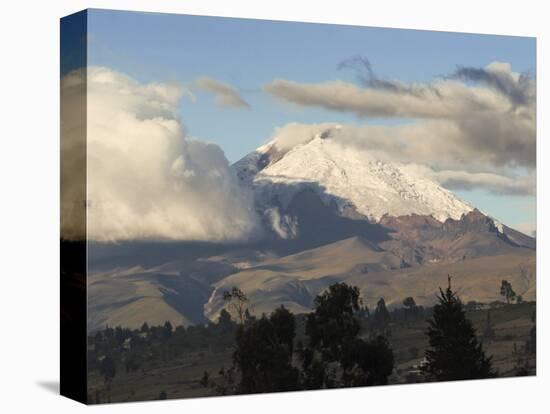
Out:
{"x": 465, "y": 180}
{"x": 490, "y": 123}
{"x": 472, "y": 129}
{"x": 420, "y": 149}
{"x": 529, "y": 228}
{"x": 494, "y": 183}
{"x": 290, "y": 135}
{"x": 146, "y": 179}
{"x": 286, "y": 227}
{"x": 225, "y": 94}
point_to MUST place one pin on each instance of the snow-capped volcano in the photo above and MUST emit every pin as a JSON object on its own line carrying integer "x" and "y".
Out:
{"x": 348, "y": 176}
{"x": 331, "y": 213}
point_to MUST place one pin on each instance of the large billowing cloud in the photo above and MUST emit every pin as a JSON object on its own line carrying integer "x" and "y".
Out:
{"x": 225, "y": 94}
{"x": 146, "y": 179}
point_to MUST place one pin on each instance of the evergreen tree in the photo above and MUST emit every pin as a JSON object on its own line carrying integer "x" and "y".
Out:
{"x": 381, "y": 318}
{"x": 454, "y": 353}
{"x": 381, "y": 313}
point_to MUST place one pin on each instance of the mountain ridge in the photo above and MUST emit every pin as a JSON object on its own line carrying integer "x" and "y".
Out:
{"x": 330, "y": 214}
{"x": 351, "y": 176}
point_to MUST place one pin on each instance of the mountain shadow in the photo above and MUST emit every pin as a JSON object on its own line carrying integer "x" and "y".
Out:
{"x": 320, "y": 223}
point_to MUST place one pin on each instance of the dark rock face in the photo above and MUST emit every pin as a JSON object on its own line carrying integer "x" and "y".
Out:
{"x": 416, "y": 239}
{"x": 320, "y": 224}
{"x": 427, "y": 240}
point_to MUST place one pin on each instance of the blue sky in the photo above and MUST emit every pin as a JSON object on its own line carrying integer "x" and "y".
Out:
{"x": 250, "y": 53}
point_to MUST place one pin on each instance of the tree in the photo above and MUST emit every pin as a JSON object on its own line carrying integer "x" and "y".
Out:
{"x": 237, "y": 302}
{"x": 410, "y": 306}
{"x": 409, "y": 302}
{"x": 333, "y": 330}
{"x": 363, "y": 313}
{"x": 167, "y": 329}
{"x": 263, "y": 354}
{"x": 247, "y": 316}
{"x": 224, "y": 321}
{"x": 333, "y": 322}
{"x": 284, "y": 324}
{"x": 507, "y": 291}
{"x": 454, "y": 353}
{"x": 381, "y": 317}
{"x": 107, "y": 369}
{"x": 519, "y": 299}
{"x": 366, "y": 363}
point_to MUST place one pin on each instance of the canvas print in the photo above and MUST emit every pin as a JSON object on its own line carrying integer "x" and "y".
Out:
{"x": 254, "y": 206}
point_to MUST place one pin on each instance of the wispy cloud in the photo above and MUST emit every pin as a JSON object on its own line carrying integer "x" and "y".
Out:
{"x": 519, "y": 88}
{"x": 226, "y": 95}
{"x": 419, "y": 149}
{"x": 490, "y": 122}
{"x": 494, "y": 183}
{"x": 367, "y": 78}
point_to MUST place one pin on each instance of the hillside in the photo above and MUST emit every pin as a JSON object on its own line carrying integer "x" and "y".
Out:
{"x": 295, "y": 280}
{"x": 329, "y": 213}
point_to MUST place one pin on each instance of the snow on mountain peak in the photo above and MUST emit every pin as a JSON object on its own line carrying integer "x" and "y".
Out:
{"x": 302, "y": 156}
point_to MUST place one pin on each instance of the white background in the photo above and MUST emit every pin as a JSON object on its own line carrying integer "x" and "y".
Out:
{"x": 29, "y": 190}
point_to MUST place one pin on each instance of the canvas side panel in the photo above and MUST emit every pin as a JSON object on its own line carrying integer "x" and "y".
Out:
{"x": 73, "y": 382}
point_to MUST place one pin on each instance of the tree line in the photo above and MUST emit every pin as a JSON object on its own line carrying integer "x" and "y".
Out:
{"x": 335, "y": 353}
{"x": 341, "y": 343}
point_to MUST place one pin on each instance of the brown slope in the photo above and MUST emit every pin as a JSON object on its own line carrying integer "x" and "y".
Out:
{"x": 294, "y": 280}
{"x": 422, "y": 239}
{"x": 475, "y": 279}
